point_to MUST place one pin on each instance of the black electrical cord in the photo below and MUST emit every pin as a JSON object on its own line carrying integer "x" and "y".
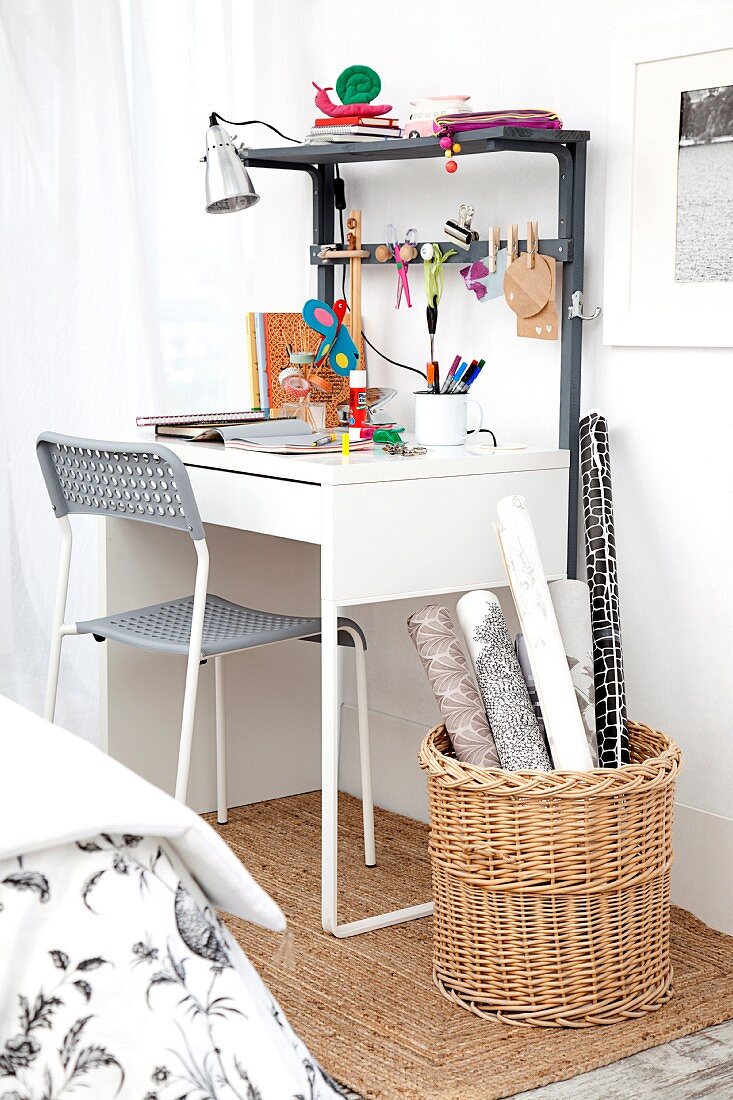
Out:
{"x": 367, "y": 341}
{"x": 392, "y": 361}
{"x": 472, "y": 431}
{"x": 250, "y": 122}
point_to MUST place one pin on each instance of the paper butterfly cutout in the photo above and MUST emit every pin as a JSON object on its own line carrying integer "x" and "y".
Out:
{"x": 336, "y": 345}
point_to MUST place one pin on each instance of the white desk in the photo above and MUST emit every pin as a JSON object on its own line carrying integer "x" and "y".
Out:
{"x": 387, "y": 527}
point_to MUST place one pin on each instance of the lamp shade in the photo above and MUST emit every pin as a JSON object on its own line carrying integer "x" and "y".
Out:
{"x": 228, "y": 186}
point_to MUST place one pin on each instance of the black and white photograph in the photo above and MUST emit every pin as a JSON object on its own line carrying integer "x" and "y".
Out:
{"x": 705, "y": 186}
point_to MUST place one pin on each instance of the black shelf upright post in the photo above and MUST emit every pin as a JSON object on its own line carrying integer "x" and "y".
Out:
{"x": 572, "y": 206}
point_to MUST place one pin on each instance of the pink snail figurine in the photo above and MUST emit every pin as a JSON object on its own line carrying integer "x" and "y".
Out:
{"x": 356, "y": 87}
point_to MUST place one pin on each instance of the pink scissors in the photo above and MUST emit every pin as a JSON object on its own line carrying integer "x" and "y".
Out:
{"x": 403, "y": 281}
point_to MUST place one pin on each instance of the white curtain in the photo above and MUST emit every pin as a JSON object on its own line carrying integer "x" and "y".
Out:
{"x": 118, "y": 294}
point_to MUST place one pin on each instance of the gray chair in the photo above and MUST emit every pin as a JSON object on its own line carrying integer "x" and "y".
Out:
{"x": 151, "y": 485}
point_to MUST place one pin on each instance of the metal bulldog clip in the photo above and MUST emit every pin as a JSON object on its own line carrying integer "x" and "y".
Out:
{"x": 460, "y": 232}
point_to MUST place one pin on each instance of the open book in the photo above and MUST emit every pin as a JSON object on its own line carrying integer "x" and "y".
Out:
{"x": 284, "y": 437}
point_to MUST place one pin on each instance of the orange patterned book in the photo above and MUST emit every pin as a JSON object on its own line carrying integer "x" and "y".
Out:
{"x": 282, "y": 329}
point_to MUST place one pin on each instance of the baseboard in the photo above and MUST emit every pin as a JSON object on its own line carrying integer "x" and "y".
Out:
{"x": 702, "y": 874}
{"x": 702, "y": 879}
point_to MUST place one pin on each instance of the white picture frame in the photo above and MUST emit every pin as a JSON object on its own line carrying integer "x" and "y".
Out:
{"x": 651, "y": 65}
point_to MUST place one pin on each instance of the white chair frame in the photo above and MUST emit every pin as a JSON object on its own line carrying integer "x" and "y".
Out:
{"x": 61, "y": 630}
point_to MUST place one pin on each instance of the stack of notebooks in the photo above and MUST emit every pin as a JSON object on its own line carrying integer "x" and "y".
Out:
{"x": 351, "y": 128}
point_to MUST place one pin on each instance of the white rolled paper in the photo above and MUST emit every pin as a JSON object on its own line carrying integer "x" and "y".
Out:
{"x": 500, "y": 682}
{"x": 571, "y": 600}
{"x": 563, "y": 723}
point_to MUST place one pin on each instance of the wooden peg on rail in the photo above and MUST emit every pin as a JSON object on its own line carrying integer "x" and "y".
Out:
{"x": 330, "y": 252}
{"x": 494, "y": 245}
{"x": 531, "y": 243}
{"x": 512, "y": 243}
{"x": 353, "y": 224}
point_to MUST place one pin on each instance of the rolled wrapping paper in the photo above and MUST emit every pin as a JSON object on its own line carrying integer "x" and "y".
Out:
{"x": 600, "y": 552}
{"x": 500, "y": 682}
{"x": 563, "y": 724}
{"x": 436, "y": 641}
{"x": 571, "y": 600}
{"x": 527, "y": 675}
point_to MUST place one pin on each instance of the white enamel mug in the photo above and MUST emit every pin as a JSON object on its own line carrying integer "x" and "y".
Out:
{"x": 441, "y": 419}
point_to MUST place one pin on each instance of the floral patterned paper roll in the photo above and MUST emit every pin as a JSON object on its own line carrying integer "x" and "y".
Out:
{"x": 600, "y": 552}
{"x": 503, "y": 690}
{"x": 436, "y": 641}
{"x": 563, "y": 724}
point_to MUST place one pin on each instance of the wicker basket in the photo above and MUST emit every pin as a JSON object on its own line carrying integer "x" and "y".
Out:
{"x": 551, "y": 889}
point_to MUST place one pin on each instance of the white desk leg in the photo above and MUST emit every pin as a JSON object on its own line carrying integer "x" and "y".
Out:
{"x": 329, "y": 764}
{"x": 329, "y": 795}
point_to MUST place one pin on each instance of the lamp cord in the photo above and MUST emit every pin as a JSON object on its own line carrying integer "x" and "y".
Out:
{"x": 251, "y": 122}
{"x": 367, "y": 341}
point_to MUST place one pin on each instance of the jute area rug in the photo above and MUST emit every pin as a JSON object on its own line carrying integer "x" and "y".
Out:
{"x": 367, "y": 1007}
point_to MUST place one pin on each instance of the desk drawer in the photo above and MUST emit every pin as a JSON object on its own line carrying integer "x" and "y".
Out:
{"x": 402, "y": 539}
{"x": 266, "y": 505}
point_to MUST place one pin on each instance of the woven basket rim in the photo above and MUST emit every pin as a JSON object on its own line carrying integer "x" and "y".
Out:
{"x": 652, "y": 772}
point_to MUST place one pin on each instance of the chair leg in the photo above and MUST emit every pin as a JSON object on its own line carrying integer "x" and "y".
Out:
{"x": 52, "y": 681}
{"x": 57, "y": 628}
{"x": 187, "y": 721}
{"x": 367, "y": 799}
{"x": 192, "y": 669}
{"x": 222, "y": 810}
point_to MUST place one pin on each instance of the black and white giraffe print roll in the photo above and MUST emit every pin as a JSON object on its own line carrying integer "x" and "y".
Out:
{"x": 501, "y": 684}
{"x": 600, "y": 550}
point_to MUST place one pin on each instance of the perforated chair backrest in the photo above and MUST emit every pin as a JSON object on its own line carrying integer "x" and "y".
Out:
{"x": 128, "y": 480}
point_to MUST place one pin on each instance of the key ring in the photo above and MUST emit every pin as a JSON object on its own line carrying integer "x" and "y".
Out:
{"x": 404, "y": 450}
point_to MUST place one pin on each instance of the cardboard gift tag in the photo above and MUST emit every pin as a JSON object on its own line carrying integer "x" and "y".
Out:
{"x": 552, "y": 264}
{"x": 527, "y": 289}
{"x": 543, "y": 326}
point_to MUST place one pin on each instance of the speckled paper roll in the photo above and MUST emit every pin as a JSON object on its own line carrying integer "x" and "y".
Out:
{"x": 563, "y": 724}
{"x": 600, "y": 551}
{"x": 527, "y": 675}
{"x": 571, "y": 600}
{"x": 500, "y": 681}
{"x": 436, "y": 641}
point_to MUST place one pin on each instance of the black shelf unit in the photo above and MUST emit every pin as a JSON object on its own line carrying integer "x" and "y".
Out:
{"x": 569, "y": 149}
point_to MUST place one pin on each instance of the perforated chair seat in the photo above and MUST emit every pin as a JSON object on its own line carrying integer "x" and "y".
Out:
{"x": 166, "y": 627}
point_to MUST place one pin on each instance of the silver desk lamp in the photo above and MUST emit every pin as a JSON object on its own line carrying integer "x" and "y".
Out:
{"x": 228, "y": 186}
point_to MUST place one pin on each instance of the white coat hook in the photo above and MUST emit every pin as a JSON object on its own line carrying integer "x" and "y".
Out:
{"x": 576, "y": 308}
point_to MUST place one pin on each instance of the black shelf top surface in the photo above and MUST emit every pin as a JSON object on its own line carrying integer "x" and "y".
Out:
{"x": 474, "y": 141}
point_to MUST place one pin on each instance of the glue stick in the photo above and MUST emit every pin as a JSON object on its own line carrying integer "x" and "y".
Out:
{"x": 357, "y": 402}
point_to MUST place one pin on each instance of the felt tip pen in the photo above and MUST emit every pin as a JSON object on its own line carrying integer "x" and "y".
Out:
{"x": 433, "y": 377}
{"x": 460, "y": 373}
{"x": 450, "y": 374}
{"x": 345, "y": 445}
{"x": 471, "y": 375}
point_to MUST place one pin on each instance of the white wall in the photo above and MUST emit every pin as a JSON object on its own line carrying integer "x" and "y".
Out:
{"x": 668, "y": 409}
